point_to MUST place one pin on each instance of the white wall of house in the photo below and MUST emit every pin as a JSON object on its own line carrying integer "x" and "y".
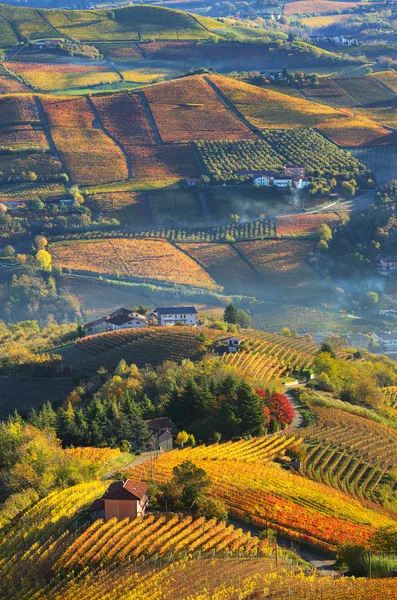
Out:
{"x": 133, "y": 324}
{"x": 185, "y": 318}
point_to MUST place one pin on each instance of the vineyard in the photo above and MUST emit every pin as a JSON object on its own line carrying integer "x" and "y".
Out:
{"x": 130, "y": 23}
{"x": 224, "y": 264}
{"x": 305, "y": 224}
{"x": 157, "y": 260}
{"x": 140, "y": 347}
{"x": 150, "y": 536}
{"x": 188, "y": 109}
{"x": 223, "y": 233}
{"x": 23, "y": 138}
{"x": 308, "y": 511}
{"x": 268, "y": 356}
{"x": 57, "y": 77}
{"x": 223, "y": 160}
{"x": 261, "y": 449}
{"x": 281, "y": 262}
{"x": 266, "y": 109}
{"x": 89, "y": 155}
{"x": 316, "y": 6}
{"x": 18, "y": 110}
{"x": 348, "y": 452}
{"x": 365, "y": 90}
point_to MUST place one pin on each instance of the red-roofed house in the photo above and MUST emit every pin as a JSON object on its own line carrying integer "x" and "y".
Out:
{"x": 123, "y": 500}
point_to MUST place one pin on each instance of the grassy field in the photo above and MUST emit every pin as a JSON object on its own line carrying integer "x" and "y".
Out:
{"x": 325, "y": 21}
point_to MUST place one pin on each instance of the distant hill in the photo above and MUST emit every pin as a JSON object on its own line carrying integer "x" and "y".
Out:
{"x": 131, "y": 23}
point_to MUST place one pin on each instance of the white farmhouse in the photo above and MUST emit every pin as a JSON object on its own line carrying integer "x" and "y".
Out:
{"x": 176, "y": 315}
{"x": 387, "y": 265}
{"x": 122, "y": 318}
{"x": 387, "y": 340}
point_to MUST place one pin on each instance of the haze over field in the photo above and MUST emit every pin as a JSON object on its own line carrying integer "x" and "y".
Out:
{"x": 198, "y": 300}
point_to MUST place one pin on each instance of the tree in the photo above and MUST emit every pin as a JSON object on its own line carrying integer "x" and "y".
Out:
{"x": 193, "y": 481}
{"x": 9, "y": 251}
{"x": 231, "y": 314}
{"x": 40, "y": 242}
{"x": 281, "y": 409}
{"x": 182, "y": 438}
{"x": 243, "y": 319}
{"x": 324, "y": 232}
{"x": 44, "y": 259}
{"x": 211, "y": 508}
{"x": 36, "y": 204}
{"x": 249, "y": 410}
{"x": 348, "y": 189}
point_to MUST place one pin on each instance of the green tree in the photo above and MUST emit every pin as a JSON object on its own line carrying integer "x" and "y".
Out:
{"x": 243, "y": 319}
{"x": 9, "y": 251}
{"x": 192, "y": 479}
{"x": 230, "y": 314}
{"x": 211, "y": 508}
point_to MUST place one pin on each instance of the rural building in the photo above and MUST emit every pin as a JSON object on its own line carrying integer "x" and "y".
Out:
{"x": 123, "y": 500}
{"x": 122, "y": 318}
{"x": 358, "y": 340}
{"x": 161, "y": 430}
{"x": 389, "y": 311}
{"x": 298, "y": 171}
{"x": 233, "y": 344}
{"x": 387, "y": 265}
{"x": 176, "y": 315}
{"x": 192, "y": 181}
{"x": 278, "y": 180}
{"x": 387, "y": 340}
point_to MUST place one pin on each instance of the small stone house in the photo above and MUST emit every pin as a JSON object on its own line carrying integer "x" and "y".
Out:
{"x": 123, "y": 500}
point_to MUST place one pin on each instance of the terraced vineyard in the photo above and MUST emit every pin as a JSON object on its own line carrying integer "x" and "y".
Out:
{"x": 349, "y": 452}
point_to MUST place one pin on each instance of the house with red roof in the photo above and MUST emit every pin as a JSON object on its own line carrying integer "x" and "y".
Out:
{"x": 123, "y": 500}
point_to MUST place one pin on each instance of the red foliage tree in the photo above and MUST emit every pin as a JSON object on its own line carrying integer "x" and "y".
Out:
{"x": 281, "y": 409}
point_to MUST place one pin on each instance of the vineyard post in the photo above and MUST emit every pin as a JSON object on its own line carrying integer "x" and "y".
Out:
{"x": 277, "y": 558}
{"x": 369, "y": 564}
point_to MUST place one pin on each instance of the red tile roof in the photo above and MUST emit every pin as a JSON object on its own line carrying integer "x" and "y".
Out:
{"x": 126, "y": 490}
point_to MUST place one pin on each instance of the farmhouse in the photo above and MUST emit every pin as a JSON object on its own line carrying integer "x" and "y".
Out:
{"x": 292, "y": 176}
{"x": 387, "y": 265}
{"x": 122, "y": 318}
{"x": 161, "y": 430}
{"x": 233, "y": 344}
{"x": 123, "y": 500}
{"x": 386, "y": 339}
{"x": 177, "y": 315}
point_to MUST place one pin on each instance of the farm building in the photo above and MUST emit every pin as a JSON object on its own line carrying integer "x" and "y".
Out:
{"x": 161, "y": 430}
{"x": 387, "y": 265}
{"x": 122, "y": 318}
{"x": 386, "y": 339}
{"x": 389, "y": 311}
{"x": 233, "y": 344}
{"x": 296, "y": 171}
{"x": 123, "y": 500}
{"x": 176, "y": 315}
{"x": 292, "y": 176}
{"x": 192, "y": 181}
